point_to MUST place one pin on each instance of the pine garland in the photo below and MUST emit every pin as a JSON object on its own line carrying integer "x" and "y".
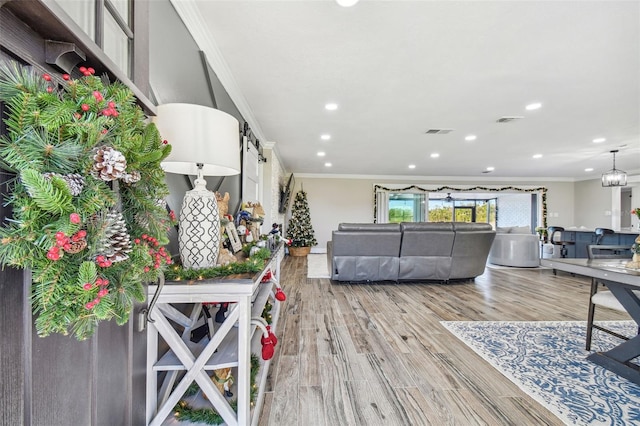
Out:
{"x": 184, "y": 412}
{"x": 62, "y": 209}
{"x": 251, "y": 266}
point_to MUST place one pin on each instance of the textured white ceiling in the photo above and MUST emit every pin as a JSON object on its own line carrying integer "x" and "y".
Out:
{"x": 398, "y": 68}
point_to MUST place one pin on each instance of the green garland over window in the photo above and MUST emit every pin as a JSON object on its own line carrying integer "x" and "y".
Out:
{"x": 541, "y": 189}
{"x": 89, "y": 217}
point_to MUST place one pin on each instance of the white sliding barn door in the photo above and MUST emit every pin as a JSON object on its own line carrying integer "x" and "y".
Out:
{"x": 250, "y": 172}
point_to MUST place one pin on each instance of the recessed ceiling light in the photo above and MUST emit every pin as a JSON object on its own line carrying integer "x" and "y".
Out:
{"x": 435, "y": 155}
{"x": 321, "y": 154}
{"x": 470, "y": 138}
{"x": 412, "y": 166}
{"x": 490, "y": 169}
{"x": 536, "y": 156}
{"x": 347, "y": 3}
{"x": 599, "y": 140}
{"x": 327, "y": 164}
{"x": 325, "y": 137}
{"x": 331, "y": 106}
{"x": 588, "y": 169}
{"x": 533, "y": 106}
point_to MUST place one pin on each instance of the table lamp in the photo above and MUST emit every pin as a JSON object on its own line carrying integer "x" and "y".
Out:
{"x": 205, "y": 142}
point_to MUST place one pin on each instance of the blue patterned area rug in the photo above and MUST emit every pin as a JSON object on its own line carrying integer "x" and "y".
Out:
{"x": 547, "y": 360}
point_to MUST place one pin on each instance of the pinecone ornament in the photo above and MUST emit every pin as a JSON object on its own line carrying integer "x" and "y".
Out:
{"x": 76, "y": 246}
{"x": 74, "y": 181}
{"x": 132, "y": 177}
{"x": 109, "y": 164}
{"x": 116, "y": 244}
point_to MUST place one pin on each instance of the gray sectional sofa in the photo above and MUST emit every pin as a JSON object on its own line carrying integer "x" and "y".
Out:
{"x": 423, "y": 251}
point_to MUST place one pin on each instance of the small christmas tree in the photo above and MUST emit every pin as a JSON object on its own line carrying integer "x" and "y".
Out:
{"x": 299, "y": 230}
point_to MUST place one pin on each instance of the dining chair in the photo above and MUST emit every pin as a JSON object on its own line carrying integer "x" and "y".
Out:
{"x": 604, "y": 298}
{"x": 601, "y": 232}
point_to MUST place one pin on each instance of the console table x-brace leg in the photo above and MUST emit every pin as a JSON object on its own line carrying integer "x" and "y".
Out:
{"x": 194, "y": 366}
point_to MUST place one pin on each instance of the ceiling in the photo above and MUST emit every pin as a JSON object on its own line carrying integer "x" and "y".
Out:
{"x": 399, "y": 68}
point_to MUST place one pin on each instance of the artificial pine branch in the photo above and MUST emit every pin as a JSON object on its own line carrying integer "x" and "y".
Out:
{"x": 47, "y": 194}
{"x": 16, "y": 79}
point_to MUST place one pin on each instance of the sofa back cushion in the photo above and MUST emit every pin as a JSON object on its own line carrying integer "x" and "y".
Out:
{"x": 427, "y": 226}
{"x": 366, "y": 243}
{"x": 470, "y": 251}
{"x": 377, "y": 227}
{"x": 426, "y": 251}
{"x": 424, "y": 242}
{"x": 471, "y": 226}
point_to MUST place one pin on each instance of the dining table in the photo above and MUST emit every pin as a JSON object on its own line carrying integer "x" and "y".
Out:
{"x": 621, "y": 281}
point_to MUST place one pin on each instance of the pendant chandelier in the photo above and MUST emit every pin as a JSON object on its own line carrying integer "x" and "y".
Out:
{"x": 614, "y": 177}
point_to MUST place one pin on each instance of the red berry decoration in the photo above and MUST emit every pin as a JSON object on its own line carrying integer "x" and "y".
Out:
{"x": 91, "y": 71}
{"x": 49, "y": 89}
{"x": 82, "y": 69}
{"x": 280, "y": 295}
{"x": 87, "y": 286}
{"x": 85, "y": 107}
{"x": 47, "y": 77}
{"x": 74, "y": 218}
{"x": 65, "y": 76}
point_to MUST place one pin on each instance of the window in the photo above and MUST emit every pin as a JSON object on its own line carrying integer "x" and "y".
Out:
{"x": 108, "y": 23}
{"x": 406, "y": 207}
{"x": 477, "y": 204}
{"x": 462, "y": 210}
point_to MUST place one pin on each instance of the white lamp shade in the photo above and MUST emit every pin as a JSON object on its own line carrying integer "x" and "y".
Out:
{"x": 199, "y": 134}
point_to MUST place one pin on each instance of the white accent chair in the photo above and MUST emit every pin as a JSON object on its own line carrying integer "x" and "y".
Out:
{"x": 515, "y": 246}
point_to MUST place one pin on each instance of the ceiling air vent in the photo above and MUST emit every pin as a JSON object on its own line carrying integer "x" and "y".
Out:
{"x": 508, "y": 118}
{"x": 438, "y": 131}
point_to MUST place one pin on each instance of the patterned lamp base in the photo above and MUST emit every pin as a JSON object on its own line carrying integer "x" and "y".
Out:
{"x": 199, "y": 228}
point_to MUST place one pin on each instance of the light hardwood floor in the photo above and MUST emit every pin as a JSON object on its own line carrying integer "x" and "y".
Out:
{"x": 360, "y": 354}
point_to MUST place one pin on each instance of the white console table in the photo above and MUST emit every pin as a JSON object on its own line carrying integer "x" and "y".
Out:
{"x": 230, "y": 345}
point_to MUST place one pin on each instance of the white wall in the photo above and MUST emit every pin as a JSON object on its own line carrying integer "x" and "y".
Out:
{"x": 594, "y": 207}
{"x": 593, "y": 204}
{"x": 336, "y": 200}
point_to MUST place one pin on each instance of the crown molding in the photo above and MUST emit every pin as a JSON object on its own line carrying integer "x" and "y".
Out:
{"x": 192, "y": 19}
{"x": 406, "y": 178}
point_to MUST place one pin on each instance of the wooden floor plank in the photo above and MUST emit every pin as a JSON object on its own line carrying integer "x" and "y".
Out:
{"x": 377, "y": 354}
